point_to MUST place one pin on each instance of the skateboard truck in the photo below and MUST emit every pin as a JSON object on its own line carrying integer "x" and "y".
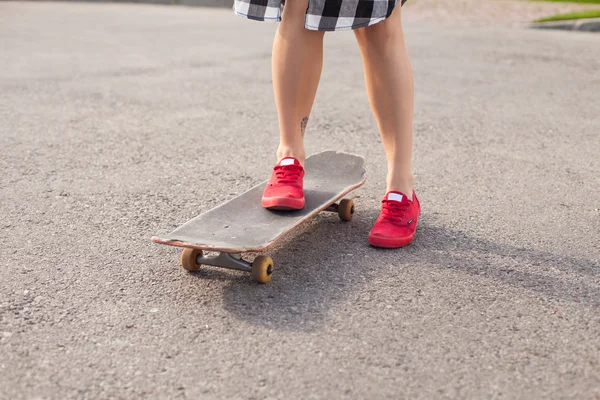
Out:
{"x": 261, "y": 268}
{"x": 225, "y": 260}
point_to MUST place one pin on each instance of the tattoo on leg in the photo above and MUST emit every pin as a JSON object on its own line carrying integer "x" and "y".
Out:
{"x": 303, "y": 125}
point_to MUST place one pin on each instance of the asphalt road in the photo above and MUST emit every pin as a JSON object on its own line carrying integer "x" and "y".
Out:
{"x": 118, "y": 122}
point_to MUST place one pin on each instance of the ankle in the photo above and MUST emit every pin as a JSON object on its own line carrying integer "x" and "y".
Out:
{"x": 402, "y": 185}
{"x": 286, "y": 151}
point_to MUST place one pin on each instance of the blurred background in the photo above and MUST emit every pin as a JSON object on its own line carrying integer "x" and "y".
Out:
{"x": 476, "y": 12}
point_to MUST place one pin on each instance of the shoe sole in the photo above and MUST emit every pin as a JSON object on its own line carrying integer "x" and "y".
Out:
{"x": 282, "y": 203}
{"x": 390, "y": 243}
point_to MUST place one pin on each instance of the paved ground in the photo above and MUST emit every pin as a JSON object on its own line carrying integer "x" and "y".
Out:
{"x": 118, "y": 122}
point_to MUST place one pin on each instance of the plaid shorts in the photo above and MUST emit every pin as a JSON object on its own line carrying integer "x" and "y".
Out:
{"x": 322, "y": 15}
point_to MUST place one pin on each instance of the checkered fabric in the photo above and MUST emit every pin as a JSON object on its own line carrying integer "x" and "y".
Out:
{"x": 322, "y": 15}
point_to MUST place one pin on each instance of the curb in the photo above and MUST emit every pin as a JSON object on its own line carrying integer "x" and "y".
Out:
{"x": 584, "y": 25}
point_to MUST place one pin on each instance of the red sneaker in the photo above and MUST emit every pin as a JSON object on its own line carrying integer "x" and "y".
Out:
{"x": 284, "y": 189}
{"x": 397, "y": 222}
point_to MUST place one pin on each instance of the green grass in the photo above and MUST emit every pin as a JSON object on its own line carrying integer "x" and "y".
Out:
{"x": 571, "y": 15}
{"x": 573, "y": 1}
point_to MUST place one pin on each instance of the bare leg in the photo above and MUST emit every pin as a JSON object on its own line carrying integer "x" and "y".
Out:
{"x": 390, "y": 88}
{"x": 297, "y": 63}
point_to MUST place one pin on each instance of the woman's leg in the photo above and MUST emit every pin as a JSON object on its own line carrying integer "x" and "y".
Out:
{"x": 389, "y": 79}
{"x": 297, "y": 63}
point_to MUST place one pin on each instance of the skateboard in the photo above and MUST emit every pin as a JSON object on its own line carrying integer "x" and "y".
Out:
{"x": 242, "y": 225}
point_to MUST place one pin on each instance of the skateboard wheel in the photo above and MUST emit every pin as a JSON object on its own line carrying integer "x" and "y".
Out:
{"x": 262, "y": 269}
{"x": 188, "y": 259}
{"x": 346, "y": 209}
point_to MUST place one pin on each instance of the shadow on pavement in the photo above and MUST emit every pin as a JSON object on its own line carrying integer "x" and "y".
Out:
{"x": 512, "y": 266}
{"x": 328, "y": 263}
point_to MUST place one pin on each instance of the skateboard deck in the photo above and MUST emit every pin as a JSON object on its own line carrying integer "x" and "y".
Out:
{"x": 242, "y": 225}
